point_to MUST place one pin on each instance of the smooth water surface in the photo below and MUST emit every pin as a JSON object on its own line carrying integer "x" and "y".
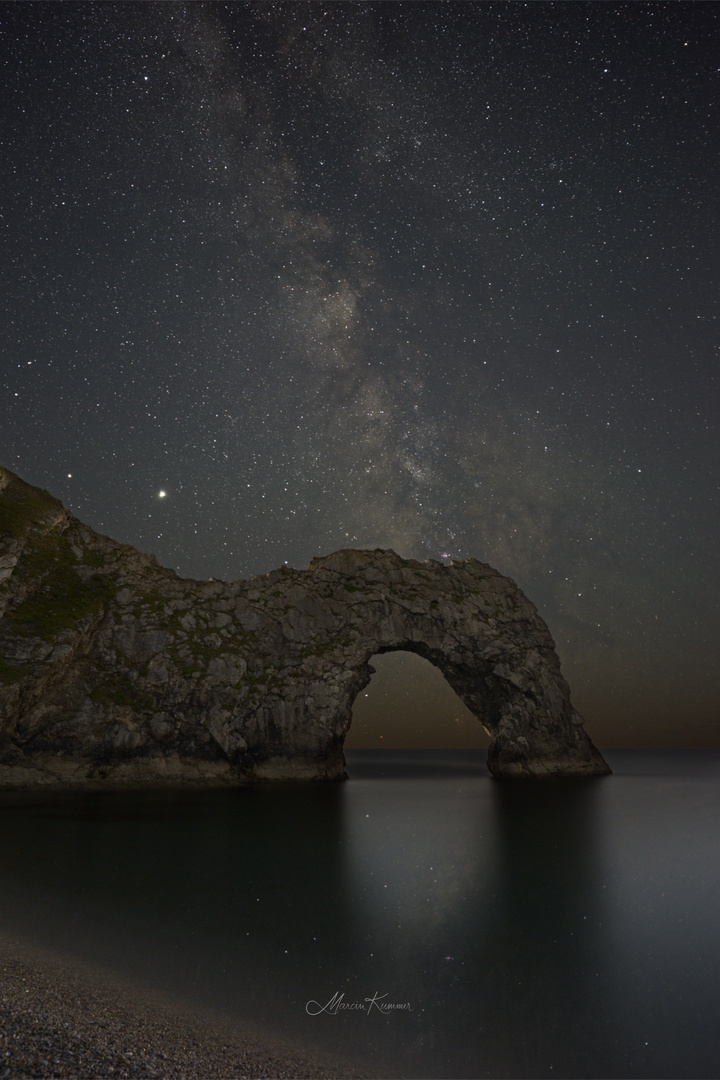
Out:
{"x": 522, "y": 928}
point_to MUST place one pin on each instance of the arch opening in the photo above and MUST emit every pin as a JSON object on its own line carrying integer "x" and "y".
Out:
{"x": 409, "y": 704}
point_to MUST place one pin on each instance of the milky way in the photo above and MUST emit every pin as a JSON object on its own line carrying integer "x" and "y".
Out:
{"x": 440, "y": 277}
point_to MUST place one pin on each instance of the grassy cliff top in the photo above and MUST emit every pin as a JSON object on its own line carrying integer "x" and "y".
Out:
{"x": 23, "y": 507}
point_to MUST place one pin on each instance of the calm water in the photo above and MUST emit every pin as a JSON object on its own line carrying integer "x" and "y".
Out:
{"x": 535, "y": 929}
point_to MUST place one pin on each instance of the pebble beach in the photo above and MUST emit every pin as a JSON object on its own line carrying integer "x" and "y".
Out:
{"x": 62, "y": 1019}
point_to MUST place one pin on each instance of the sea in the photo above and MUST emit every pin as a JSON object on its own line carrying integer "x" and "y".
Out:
{"x": 419, "y": 920}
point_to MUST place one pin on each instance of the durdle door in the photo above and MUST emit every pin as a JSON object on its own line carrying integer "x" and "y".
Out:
{"x": 113, "y": 670}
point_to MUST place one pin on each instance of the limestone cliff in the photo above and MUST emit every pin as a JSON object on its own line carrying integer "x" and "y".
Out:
{"x": 114, "y": 669}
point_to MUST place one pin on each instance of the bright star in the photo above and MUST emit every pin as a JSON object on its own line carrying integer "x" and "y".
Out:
{"x": 161, "y": 494}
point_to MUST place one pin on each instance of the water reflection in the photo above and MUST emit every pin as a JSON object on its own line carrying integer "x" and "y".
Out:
{"x": 211, "y": 893}
{"x": 535, "y": 929}
{"x": 545, "y": 932}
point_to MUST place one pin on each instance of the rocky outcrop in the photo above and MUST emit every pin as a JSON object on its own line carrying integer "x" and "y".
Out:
{"x": 114, "y": 669}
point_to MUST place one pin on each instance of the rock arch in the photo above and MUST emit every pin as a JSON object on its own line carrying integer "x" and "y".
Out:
{"x": 409, "y": 703}
{"x": 114, "y": 669}
{"x": 486, "y": 638}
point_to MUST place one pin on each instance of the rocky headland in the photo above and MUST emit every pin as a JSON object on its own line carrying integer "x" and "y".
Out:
{"x": 115, "y": 670}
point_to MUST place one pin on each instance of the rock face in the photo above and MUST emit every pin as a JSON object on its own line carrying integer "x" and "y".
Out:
{"x": 114, "y": 669}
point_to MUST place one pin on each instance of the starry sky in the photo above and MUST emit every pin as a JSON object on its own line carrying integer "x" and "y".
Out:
{"x": 441, "y": 277}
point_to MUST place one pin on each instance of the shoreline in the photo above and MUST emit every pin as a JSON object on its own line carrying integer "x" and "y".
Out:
{"x": 61, "y": 1018}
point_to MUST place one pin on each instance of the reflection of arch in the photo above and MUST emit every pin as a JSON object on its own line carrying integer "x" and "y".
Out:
{"x": 544, "y": 933}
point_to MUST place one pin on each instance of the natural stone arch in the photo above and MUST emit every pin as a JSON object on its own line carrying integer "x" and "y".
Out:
{"x": 409, "y": 704}
{"x": 486, "y": 638}
{"x": 365, "y": 673}
{"x": 114, "y": 669}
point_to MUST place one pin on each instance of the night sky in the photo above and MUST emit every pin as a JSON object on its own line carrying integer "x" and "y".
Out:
{"x": 441, "y": 277}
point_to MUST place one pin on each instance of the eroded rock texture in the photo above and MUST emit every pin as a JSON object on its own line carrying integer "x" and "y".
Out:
{"x": 113, "y": 668}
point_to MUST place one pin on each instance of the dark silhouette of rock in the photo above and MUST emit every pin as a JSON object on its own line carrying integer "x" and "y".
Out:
{"x": 114, "y": 669}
